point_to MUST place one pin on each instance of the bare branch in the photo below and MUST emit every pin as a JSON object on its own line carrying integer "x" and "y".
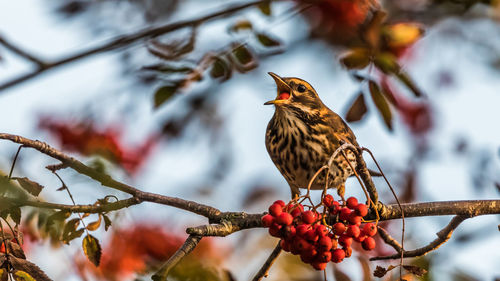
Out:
{"x": 128, "y": 39}
{"x": 442, "y": 237}
{"x": 388, "y": 239}
{"x": 121, "y": 204}
{"x": 108, "y": 181}
{"x": 264, "y": 270}
{"x": 188, "y": 246}
{"x": 21, "y": 52}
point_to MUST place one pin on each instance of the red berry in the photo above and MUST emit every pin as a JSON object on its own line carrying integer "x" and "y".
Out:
{"x": 280, "y": 202}
{"x": 308, "y": 255}
{"x": 348, "y": 251}
{"x": 353, "y": 231}
{"x": 354, "y": 219}
{"x": 308, "y": 217}
{"x": 361, "y": 210}
{"x": 345, "y": 240}
{"x": 362, "y": 236}
{"x": 325, "y": 243}
{"x": 321, "y": 230}
{"x": 275, "y": 230}
{"x": 302, "y": 229}
{"x": 335, "y": 208}
{"x": 328, "y": 200}
{"x": 289, "y": 231}
{"x": 344, "y": 214}
{"x": 352, "y": 202}
{"x": 284, "y": 219}
{"x": 368, "y": 244}
{"x": 275, "y": 210}
{"x": 338, "y": 255}
{"x": 311, "y": 235}
{"x": 302, "y": 245}
{"x": 370, "y": 229}
{"x": 324, "y": 256}
{"x": 319, "y": 265}
{"x": 296, "y": 212}
{"x": 339, "y": 228}
{"x": 267, "y": 220}
{"x": 285, "y": 245}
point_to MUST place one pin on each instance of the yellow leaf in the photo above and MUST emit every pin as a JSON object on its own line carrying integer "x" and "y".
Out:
{"x": 94, "y": 225}
{"x": 356, "y": 58}
{"x": 402, "y": 34}
{"x": 92, "y": 249}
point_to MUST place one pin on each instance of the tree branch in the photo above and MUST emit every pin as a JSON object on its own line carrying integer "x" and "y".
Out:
{"x": 188, "y": 246}
{"x": 22, "y": 53}
{"x": 122, "y": 41}
{"x": 442, "y": 237}
{"x": 264, "y": 270}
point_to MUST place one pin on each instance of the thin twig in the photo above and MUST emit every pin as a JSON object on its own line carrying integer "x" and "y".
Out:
{"x": 21, "y": 52}
{"x": 188, "y": 246}
{"x": 264, "y": 270}
{"x": 129, "y": 39}
{"x": 442, "y": 236}
{"x": 14, "y": 161}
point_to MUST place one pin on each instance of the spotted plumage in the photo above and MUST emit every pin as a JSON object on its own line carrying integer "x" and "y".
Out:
{"x": 303, "y": 134}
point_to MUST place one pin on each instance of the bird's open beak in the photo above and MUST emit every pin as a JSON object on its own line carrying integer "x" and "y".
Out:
{"x": 282, "y": 88}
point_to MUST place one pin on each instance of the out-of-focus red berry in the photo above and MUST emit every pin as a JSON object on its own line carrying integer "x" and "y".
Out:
{"x": 308, "y": 217}
{"x": 362, "y": 236}
{"x": 275, "y": 210}
{"x": 370, "y": 229}
{"x": 361, "y": 210}
{"x": 285, "y": 245}
{"x": 308, "y": 255}
{"x": 267, "y": 220}
{"x": 352, "y": 202}
{"x": 289, "y": 231}
{"x": 338, "y": 255}
{"x": 311, "y": 235}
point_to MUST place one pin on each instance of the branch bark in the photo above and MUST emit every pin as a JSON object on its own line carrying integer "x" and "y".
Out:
{"x": 264, "y": 270}
{"x": 188, "y": 246}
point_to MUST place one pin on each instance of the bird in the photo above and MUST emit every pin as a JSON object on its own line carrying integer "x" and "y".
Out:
{"x": 303, "y": 134}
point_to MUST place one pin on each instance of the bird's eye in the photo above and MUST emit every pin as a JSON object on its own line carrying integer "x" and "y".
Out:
{"x": 301, "y": 88}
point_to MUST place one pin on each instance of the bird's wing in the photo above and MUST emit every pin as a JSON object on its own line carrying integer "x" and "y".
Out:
{"x": 340, "y": 127}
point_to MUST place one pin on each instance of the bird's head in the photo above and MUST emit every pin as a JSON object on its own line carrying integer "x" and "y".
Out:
{"x": 295, "y": 93}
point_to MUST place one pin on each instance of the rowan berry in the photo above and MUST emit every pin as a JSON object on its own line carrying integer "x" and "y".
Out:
{"x": 361, "y": 210}
{"x": 353, "y": 231}
{"x": 368, "y": 244}
{"x": 267, "y": 220}
{"x": 284, "y": 219}
{"x": 308, "y": 217}
{"x": 275, "y": 210}
{"x": 339, "y": 228}
{"x": 370, "y": 229}
{"x": 338, "y": 255}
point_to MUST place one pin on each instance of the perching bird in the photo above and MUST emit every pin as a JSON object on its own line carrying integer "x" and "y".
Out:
{"x": 303, "y": 134}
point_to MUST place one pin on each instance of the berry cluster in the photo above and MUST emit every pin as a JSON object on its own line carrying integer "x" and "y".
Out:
{"x": 308, "y": 234}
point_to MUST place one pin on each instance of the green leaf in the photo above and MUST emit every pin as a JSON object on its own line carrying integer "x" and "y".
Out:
{"x": 221, "y": 69}
{"x": 14, "y": 213}
{"x": 381, "y": 103}
{"x": 265, "y": 8}
{"x": 387, "y": 63}
{"x": 20, "y": 275}
{"x": 408, "y": 82}
{"x": 164, "y": 93}
{"x": 107, "y": 222}
{"x": 92, "y": 249}
{"x": 243, "y": 58}
{"x": 357, "y": 58}
{"x": 69, "y": 229}
{"x": 267, "y": 40}
{"x": 357, "y": 110}
{"x": 32, "y": 187}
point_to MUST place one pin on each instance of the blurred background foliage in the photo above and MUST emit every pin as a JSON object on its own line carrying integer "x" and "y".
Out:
{"x": 181, "y": 114}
